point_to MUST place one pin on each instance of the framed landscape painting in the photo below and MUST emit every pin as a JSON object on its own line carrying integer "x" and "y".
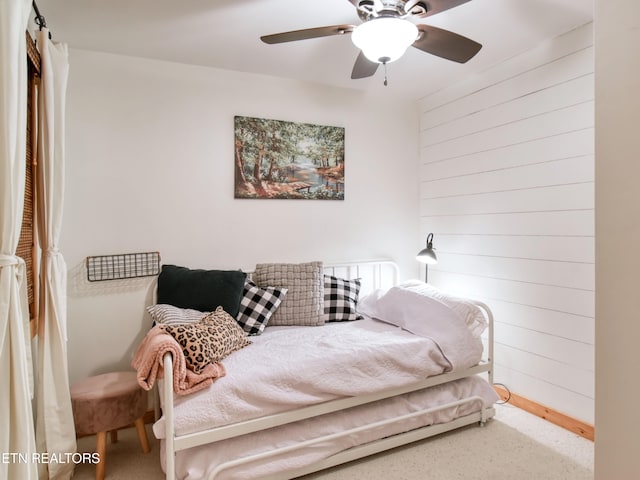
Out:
{"x": 279, "y": 159}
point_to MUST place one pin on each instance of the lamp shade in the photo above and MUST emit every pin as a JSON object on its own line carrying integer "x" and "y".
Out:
{"x": 428, "y": 255}
{"x": 384, "y": 39}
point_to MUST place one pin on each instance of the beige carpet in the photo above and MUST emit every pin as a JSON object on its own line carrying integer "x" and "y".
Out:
{"x": 514, "y": 445}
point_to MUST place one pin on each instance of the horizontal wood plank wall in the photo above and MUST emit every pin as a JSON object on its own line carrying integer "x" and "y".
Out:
{"x": 507, "y": 188}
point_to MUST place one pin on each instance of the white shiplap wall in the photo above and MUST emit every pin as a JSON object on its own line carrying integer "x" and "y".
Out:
{"x": 507, "y": 182}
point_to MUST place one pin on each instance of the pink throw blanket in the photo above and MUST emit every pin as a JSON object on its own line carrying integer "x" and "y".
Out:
{"x": 148, "y": 362}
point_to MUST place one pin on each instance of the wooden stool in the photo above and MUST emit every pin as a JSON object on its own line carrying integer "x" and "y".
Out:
{"x": 105, "y": 403}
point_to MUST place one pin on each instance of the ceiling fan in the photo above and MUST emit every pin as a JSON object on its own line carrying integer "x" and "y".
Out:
{"x": 386, "y": 33}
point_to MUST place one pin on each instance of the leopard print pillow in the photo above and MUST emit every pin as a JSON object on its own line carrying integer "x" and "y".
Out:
{"x": 208, "y": 341}
{"x": 227, "y": 335}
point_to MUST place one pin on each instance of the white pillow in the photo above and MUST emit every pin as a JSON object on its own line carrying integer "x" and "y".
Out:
{"x": 417, "y": 313}
{"x": 170, "y": 315}
{"x": 469, "y": 312}
{"x": 432, "y": 318}
{"x": 367, "y": 304}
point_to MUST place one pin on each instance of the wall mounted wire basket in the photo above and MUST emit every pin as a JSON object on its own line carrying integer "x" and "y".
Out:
{"x": 122, "y": 266}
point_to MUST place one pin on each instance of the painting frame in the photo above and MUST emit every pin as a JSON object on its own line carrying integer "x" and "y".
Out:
{"x": 279, "y": 159}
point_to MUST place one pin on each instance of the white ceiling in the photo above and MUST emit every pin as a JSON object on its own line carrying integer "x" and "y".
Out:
{"x": 226, "y": 34}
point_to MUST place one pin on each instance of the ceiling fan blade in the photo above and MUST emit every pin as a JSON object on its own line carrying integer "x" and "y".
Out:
{"x": 437, "y": 6}
{"x": 363, "y": 67}
{"x": 307, "y": 33}
{"x": 446, "y": 44}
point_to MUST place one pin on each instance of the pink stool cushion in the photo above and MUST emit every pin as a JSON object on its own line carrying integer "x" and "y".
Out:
{"x": 107, "y": 402}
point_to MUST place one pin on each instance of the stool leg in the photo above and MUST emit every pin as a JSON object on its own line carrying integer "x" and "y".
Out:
{"x": 114, "y": 436}
{"x": 142, "y": 435}
{"x": 101, "y": 447}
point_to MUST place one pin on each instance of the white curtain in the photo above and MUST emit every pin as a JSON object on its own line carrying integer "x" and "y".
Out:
{"x": 55, "y": 431}
{"x": 17, "y": 437}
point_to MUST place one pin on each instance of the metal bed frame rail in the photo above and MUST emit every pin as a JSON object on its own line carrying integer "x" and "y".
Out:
{"x": 308, "y": 443}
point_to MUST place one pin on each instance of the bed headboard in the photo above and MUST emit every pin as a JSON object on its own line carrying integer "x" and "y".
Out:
{"x": 372, "y": 273}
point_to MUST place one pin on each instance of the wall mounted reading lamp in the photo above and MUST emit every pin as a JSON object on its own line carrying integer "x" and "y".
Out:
{"x": 427, "y": 256}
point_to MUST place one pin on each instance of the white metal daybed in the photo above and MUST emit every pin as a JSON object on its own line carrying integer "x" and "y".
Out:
{"x": 433, "y": 410}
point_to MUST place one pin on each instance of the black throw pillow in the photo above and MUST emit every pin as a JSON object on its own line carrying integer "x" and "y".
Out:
{"x": 203, "y": 290}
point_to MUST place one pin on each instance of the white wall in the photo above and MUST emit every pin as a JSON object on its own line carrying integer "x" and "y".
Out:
{"x": 617, "y": 113}
{"x": 150, "y": 167}
{"x": 507, "y": 179}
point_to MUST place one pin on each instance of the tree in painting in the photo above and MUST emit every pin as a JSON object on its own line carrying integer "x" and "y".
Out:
{"x": 278, "y": 159}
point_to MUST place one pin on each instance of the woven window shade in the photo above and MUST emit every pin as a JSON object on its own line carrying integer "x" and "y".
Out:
{"x": 33, "y": 55}
{"x": 26, "y": 243}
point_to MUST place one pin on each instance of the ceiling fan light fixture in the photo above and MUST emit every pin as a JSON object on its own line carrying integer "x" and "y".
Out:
{"x": 384, "y": 39}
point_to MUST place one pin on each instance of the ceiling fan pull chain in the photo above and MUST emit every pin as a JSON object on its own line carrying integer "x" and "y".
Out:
{"x": 385, "y": 73}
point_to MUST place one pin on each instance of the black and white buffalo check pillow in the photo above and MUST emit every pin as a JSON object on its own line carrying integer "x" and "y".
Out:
{"x": 257, "y": 306}
{"x": 340, "y": 299}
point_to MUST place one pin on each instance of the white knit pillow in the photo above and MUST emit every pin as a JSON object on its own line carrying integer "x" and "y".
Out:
{"x": 304, "y": 303}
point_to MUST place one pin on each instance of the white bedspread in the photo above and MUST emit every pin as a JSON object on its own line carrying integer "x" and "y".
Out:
{"x": 280, "y": 371}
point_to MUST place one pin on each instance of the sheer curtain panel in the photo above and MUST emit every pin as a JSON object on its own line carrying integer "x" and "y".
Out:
{"x": 55, "y": 431}
{"x": 17, "y": 436}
